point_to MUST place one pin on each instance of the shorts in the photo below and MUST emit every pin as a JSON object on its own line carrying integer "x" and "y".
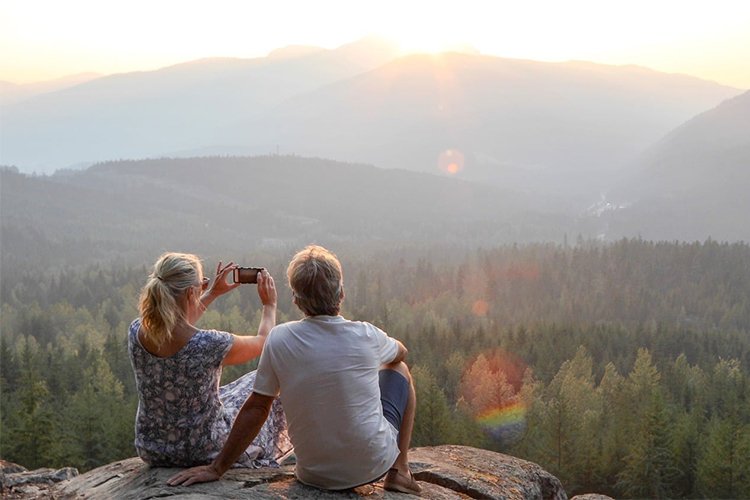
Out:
{"x": 394, "y": 395}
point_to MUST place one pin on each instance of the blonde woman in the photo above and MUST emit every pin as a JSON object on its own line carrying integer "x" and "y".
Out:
{"x": 184, "y": 417}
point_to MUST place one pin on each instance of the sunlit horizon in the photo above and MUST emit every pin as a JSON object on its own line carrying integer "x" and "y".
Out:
{"x": 42, "y": 41}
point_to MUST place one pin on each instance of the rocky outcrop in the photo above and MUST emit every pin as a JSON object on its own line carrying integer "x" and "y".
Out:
{"x": 483, "y": 474}
{"x": 18, "y": 482}
{"x": 444, "y": 472}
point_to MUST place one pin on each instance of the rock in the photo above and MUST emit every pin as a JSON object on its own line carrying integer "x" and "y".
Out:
{"x": 592, "y": 496}
{"x": 484, "y": 474}
{"x": 17, "y": 482}
{"x": 10, "y": 468}
{"x": 444, "y": 472}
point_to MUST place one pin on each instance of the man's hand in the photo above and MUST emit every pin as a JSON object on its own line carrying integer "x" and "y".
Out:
{"x": 200, "y": 474}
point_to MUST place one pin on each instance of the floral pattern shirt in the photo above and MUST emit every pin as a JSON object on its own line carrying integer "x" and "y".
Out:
{"x": 184, "y": 417}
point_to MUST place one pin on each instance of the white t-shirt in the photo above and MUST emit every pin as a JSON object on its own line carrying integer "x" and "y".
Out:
{"x": 326, "y": 369}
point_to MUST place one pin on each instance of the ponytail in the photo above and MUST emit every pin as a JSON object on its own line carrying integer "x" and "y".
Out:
{"x": 160, "y": 312}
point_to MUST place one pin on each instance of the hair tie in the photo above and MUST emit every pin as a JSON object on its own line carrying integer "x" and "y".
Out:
{"x": 159, "y": 278}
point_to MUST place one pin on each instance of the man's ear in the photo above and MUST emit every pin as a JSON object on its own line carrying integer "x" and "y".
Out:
{"x": 342, "y": 294}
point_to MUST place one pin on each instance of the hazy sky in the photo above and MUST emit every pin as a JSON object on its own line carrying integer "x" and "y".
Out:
{"x": 46, "y": 39}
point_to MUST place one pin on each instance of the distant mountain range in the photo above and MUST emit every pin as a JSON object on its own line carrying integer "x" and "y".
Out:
{"x": 542, "y": 128}
{"x": 175, "y": 109}
{"x": 521, "y": 151}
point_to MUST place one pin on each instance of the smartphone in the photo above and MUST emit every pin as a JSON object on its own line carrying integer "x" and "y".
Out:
{"x": 246, "y": 274}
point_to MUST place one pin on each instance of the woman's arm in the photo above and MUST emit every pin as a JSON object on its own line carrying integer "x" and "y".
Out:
{"x": 245, "y": 348}
{"x": 218, "y": 287}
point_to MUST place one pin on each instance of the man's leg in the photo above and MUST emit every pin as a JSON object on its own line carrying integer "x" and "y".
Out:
{"x": 407, "y": 413}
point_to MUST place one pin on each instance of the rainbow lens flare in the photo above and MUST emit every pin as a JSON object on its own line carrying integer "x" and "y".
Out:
{"x": 505, "y": 424}
{"x": 490, "y": 391}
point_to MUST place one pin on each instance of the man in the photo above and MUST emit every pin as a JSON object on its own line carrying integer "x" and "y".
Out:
{"x": 347, "y": 393}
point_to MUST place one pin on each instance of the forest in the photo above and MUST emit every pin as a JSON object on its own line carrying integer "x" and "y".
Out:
{"x": 622, "y": 368}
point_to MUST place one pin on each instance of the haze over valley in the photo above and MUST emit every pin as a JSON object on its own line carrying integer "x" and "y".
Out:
{"x": 499, "y": 150}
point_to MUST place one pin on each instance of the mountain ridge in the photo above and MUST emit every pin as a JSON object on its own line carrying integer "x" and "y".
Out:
{"x": 226, "y": 105}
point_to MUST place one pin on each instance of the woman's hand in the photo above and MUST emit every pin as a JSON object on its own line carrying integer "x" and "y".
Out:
{"x": 266, "y": 289}
{"x": 220, "y": 285}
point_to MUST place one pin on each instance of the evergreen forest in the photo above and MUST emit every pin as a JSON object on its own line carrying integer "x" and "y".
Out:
{"x": 622, "y": 368}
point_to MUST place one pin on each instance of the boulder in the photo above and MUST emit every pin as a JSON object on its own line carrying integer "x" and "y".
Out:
{"x": 18, "y": 482}
{"x": 444, "y": 472}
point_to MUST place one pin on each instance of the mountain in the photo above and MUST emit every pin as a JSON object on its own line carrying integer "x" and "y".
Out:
{"x": 693, "y": 183}
{"x": 179, "y": 108}
{"x": 14, "y": 92}
{"x": 539, "y": 127}
{"x": 136, "y": 209}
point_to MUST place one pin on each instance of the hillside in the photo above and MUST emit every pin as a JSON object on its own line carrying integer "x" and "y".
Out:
{"x": 134, "y": 209}
{"x": 694, "y": 182}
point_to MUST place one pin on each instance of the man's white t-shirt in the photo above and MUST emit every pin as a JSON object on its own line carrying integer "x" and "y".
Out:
{"x": 326, "y": 370}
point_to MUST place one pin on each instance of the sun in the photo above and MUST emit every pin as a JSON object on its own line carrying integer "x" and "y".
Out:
{"x": 426, "y": 38}
{"x": 420, "y": 44}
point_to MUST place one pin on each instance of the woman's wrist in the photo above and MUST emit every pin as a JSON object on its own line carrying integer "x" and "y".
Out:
{"x": 206, "y": 299}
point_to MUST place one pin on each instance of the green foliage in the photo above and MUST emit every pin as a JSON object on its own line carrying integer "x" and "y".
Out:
{"x": 724, "y": 466}
{"x": 434, "y": 422}
{"x": 628, "y": 363}
{"x": 649, "y": 470}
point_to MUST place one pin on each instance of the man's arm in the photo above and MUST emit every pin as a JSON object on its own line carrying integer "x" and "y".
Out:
{"x": 246, "y": 426}
{"x": 400, "y": 354}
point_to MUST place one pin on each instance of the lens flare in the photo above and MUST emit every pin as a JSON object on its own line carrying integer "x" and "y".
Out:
{"x": 480, "y": 308}
{"x": 451, "y": 161}
{"x": 490, "y": 391}
{"x": 505, "y": 424}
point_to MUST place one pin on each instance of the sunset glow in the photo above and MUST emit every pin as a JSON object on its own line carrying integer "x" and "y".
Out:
{"x": 44, "y": 40}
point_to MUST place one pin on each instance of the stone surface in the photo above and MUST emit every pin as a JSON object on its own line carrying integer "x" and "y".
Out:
{"x": 444, "y": 472}
{"x": 10, "y": 468}
{"x": 18, "y": 482}
{"x": 592, "y": 496}
{"x": 484, "y": 474}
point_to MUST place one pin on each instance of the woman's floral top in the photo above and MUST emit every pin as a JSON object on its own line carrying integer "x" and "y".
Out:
{"x": 184, "y": 417}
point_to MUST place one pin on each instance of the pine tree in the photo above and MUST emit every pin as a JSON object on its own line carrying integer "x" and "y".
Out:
{"x": 724, "y": 467}
{"x": 32, "y": 435}
{"x": 433, "y": 423}
{"x": 571, "y": 413}
{"x": 613, "y": 436}
{"x": 99, "y": 421}
{"x": 649, "y": 469}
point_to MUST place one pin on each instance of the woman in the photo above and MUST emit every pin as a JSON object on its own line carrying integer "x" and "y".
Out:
{"x": 184, "y": 417}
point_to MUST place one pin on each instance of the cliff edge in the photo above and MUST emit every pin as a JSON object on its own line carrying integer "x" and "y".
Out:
{"x": 444, "y": 472}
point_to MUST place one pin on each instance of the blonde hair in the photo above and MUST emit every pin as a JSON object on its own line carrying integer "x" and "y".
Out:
{"x": 173, "y": 274}
{"x": 316, "y": 280}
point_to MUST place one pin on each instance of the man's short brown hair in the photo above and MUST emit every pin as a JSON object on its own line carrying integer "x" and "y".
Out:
{"x": 316, "y": 280}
